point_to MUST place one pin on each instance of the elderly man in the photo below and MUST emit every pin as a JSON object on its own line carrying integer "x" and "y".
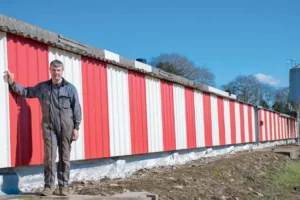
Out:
{"x": 60, "y": 123}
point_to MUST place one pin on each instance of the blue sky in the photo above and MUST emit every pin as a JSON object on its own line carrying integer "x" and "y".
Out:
{"x": 233, "y": 37}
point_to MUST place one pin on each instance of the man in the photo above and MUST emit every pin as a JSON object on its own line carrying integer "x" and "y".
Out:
{"x": 60, "y": 123}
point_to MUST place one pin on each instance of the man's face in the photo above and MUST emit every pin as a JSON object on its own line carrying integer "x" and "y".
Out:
{"x": 56, "y": 73}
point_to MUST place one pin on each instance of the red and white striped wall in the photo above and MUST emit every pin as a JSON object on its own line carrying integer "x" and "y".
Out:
{"x": 124, "y": 112}
{"x": 274, "y": 126}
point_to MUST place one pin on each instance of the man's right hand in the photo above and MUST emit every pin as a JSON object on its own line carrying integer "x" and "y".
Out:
{"x": 10, "y": 76}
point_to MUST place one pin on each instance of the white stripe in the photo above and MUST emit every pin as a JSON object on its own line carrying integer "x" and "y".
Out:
{"x": 180, "y": 118}
{"x": 273, "y": 126}
{"x": 227, "y": 121}
{"x": 253, "y": 125}
{"x": 119, "y": 113}
{"x": 154, "y": 114}
{"x": 284, "y": 128}
{"x": 264, "y": 122}
{"x": 237, "y": 122}
{"x": 215, "y": 120}
{"x": 111, "y": 56}
{"x": 72, "y": 73}
{"x": 143, "y": 66}
{"x": 199, "y": 118}
{"x": 246, "y": 125}
{"x": 268, "y": 125}
{"x": 4, "y": 107}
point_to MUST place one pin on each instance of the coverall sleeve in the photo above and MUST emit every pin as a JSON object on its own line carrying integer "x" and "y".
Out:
{"x": 28, "y": 92}
{"x": 76, "y": 109}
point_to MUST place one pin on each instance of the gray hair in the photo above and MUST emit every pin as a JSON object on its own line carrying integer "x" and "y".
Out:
{"x": 57, "y": 63}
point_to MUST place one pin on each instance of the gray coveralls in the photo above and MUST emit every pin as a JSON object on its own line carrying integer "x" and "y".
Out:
{"x": 61, "y": 114}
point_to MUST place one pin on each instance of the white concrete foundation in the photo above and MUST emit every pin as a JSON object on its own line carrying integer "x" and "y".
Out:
{"x": 30, "y": 178}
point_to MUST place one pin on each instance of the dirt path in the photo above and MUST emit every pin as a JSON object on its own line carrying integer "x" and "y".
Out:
{"x": 251, "y": 175}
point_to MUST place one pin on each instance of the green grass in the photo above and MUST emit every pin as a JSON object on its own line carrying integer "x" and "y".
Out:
{"x": 289, "y": 179}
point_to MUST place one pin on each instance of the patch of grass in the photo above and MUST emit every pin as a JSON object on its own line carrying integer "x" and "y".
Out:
{"x": 250, "y": 178}
{"x": 289, "y": 178}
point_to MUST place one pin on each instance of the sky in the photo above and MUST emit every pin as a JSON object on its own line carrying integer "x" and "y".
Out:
{"x": 231, "y": 38}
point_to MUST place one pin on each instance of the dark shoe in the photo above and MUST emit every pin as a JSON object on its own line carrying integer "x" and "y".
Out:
{"x": 47, "y": 191}
{"x": 65, "y": 191}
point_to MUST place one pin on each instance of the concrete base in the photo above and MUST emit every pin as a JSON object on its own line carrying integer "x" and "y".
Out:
{"x": 30, "y": 178}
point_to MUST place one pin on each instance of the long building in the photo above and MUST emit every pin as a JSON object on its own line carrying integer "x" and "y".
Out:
{"x": 128, "y": 107}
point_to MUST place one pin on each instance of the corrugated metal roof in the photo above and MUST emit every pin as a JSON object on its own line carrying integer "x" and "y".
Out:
{"x": 13, "y": 26}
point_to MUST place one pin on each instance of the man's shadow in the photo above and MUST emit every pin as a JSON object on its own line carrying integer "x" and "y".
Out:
{"x": 23, "y": 140}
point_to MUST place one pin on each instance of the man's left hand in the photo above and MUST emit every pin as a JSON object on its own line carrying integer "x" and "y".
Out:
{"x": 75, "y": 135}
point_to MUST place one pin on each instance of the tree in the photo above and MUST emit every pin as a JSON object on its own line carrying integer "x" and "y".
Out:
{"x": 282, "y": 104}
{"x": 181, "y": 66}
{"x": 250, "y": 90}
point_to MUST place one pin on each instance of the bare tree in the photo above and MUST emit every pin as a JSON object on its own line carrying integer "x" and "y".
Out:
{"x": 181, "y": 66}
{"x": 249, "y": 89}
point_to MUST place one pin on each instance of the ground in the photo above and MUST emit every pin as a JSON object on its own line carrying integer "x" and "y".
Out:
{"x": 245, "y": 175}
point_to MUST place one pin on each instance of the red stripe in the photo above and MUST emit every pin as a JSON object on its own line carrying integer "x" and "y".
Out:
{"x": 284, "y": 128}
{"x": 274, "y": 126}
{"x": 221, "y": 120}
{"x": 271, "y": 127}
{"x": 138, "y": 112}
{"x": 95, "y": 108}
{"x": 260, "y": 121}
{"x": 278, "y": 129}
{"x": 190, "y": 118}
{"x": 250, "y": 123}
{"x": 232, "y": 122}
{"x": 167, "y": 102}
{"x": 242, "y": 122}
{"x": 207, "y": 119}
{"x": 28, "y": 60}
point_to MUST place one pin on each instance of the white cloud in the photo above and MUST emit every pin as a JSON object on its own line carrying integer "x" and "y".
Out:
{"x": 267, "y": 79}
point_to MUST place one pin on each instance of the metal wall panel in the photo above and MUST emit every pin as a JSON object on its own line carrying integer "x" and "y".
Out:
{"x": 154, "y": 114}
{"x": 28, "y": 60}
{"x": 254, "y": 139}
{"x": 73, "y": 74}
{"x": 199, "y": 118}
{"x": 264, "y": 126}
{"x": 246, "y": 123}
{"x": 207, "y": 119}
{"x": 221, "y": 120}
{"x": 272, "y": 125}
{"x": 238, "y": 122}
{"x": 215, "y": 120}
{"x": 267, "y": 117}
{"x": 168, "y": 118}
{"x": 119, "y": 113}
{"x": 277, "y": 126}
{"x": 227, "y": 121}
{"x": 232, "y": 121}
{"x": 284, "y": 127}
{"x": 4, "y": 107}
{"x": 95, "y": 108}
{"x": 280, "y": 127}
{"x": 242, "y": 122}
{"x": 138, "y": 112}
{"x": 190, "y": 118}
{"x": 180, "y": 117}
{"x": 249, "y": 121}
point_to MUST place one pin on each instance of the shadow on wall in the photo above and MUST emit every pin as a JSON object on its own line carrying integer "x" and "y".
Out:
{"x": 23, "y": 148}
{"x": 24, "y": 132}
